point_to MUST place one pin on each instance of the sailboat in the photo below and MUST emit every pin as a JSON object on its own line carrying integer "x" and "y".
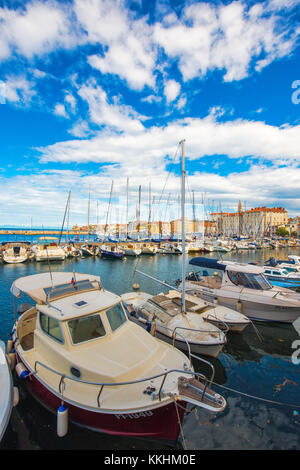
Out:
{"x": 168, "y": 318}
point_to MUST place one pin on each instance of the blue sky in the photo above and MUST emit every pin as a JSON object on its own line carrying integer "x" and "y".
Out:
{"x": 95, "y": 91}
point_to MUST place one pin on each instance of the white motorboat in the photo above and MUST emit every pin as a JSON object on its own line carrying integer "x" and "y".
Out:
{"x": 47, "y": 249}
{"x": 245, "y": 288}
{"x": 168, "y": 249}
{"x": 188, "y": 330}
{"x": 89, "y": 249}
{"x": 222, "y": 317}
{"x": 15, "y": 252}
{"x": 148, "y": 248}
{"x": 130, "y": 249}
{"x": 71, "y": 251}
{"x": 8, "y": 393}
{"x": 83, "y": 359}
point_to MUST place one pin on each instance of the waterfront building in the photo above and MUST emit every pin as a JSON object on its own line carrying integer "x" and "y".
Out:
{"x": 257, "y": 222}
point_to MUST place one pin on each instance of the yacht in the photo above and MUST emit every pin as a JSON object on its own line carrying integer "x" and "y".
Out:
{"x": 15, "y": 252}
{"x": 245, "y": 288}
{"x": 84, "y": 360}
{"x": 48, "y": 249}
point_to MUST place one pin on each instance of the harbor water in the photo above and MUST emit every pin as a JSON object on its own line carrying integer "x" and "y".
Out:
{"x": 264, "y": 415}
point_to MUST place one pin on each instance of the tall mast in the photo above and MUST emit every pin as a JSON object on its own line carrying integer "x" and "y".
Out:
{"x": 108, "y": 210}
{"x": 127, "y": 186}
{"x": 149, "y": 220}
{"x": 183, "y": 225}
{"x": 88, "y": 221}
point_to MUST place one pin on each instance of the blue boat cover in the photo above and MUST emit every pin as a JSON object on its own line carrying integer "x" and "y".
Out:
{"x": 207, "y": 263}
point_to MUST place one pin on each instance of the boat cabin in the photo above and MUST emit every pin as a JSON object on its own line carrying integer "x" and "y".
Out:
{"x": 237, "y": 274}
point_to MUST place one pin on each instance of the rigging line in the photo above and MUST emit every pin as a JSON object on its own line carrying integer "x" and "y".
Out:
{"x": 256, "y": 398}
{"x": 178, "y": 145}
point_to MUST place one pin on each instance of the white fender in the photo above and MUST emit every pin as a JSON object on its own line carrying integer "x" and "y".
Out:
{"x": 62, "y": 420}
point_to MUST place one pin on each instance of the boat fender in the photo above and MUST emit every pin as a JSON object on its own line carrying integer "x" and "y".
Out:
{"x": 62, "y": 420}
{"x": 148, "y": 327}
{"x": 16, "y": 396}
{"x": 12, "y": 359}
{"x": 239, "y": 306}
{"x": 9, "y": 346}
{"x": 21, "y": 370}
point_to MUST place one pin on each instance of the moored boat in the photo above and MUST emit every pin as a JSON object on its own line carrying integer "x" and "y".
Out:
{"x": 15, "y": 252}
{"x": 245, "y": 288}
{"x": 81, "y": 357}
{"x": 47, "y": 249}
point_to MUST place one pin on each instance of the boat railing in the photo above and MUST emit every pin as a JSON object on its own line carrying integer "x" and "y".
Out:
{"x": 174, "y": 333}
{"x": 219, "y": 320}
{"x": 63, "y": 377}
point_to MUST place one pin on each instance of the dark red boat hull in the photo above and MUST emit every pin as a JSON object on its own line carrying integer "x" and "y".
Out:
{"x": 161, "y": 423}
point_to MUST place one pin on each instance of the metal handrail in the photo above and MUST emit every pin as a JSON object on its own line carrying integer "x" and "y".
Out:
{"x": 115, "y": 384}
{"x": 219, "y": 320}
{"x": 189, "y": 352}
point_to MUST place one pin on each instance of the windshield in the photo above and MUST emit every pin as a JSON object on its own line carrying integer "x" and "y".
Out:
{"x": 116, "y": 316}
{"x": 249, "y": 280}
{"x": 86, "y": 328}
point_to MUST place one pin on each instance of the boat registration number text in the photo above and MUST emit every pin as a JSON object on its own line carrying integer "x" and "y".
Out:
{"x": 143, "y": 414}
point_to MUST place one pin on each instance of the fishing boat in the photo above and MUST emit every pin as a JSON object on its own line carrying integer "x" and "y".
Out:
{"x": 15, "y": 252}
{"x": 111, "y": 252}
{"x": 47, "y": 249}
{"x": 245, "y": 288}
{"x": 8, "y": 393}
{"x": 81, "y": 358}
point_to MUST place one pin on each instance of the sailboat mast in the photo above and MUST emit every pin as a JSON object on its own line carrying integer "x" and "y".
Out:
{"x": 183, "y": 224}
{"x": 89, "y": 205}
{"x": 127, "y": 188}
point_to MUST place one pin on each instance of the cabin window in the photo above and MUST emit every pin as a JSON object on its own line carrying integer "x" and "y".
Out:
{"x": 116, "y": 316}
{"x": 86, "y": 328}
{"x": 249, "y": 280}
{"x": 51, "y": 327}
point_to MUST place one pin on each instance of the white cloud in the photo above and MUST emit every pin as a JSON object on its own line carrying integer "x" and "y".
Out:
{"x": 38, "y": 29}
{"x": 60, "y": 110}
{"x": 18, "y": 90}
{"x": 225, "y": 37}
{"x": 128, "y": 48}
{"x": 113, "y": 115}
{"x": 172, "y": 90}
{"x": 208, "y": 136}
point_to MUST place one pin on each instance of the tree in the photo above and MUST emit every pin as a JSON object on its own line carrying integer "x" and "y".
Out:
{"x": 282, "y": 232}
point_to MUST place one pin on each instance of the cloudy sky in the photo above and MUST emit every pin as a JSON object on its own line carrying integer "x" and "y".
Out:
{"x": 98, "y": 93}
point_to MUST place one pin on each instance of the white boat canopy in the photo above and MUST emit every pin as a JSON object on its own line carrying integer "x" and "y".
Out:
{"x": 49, "y": 286}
